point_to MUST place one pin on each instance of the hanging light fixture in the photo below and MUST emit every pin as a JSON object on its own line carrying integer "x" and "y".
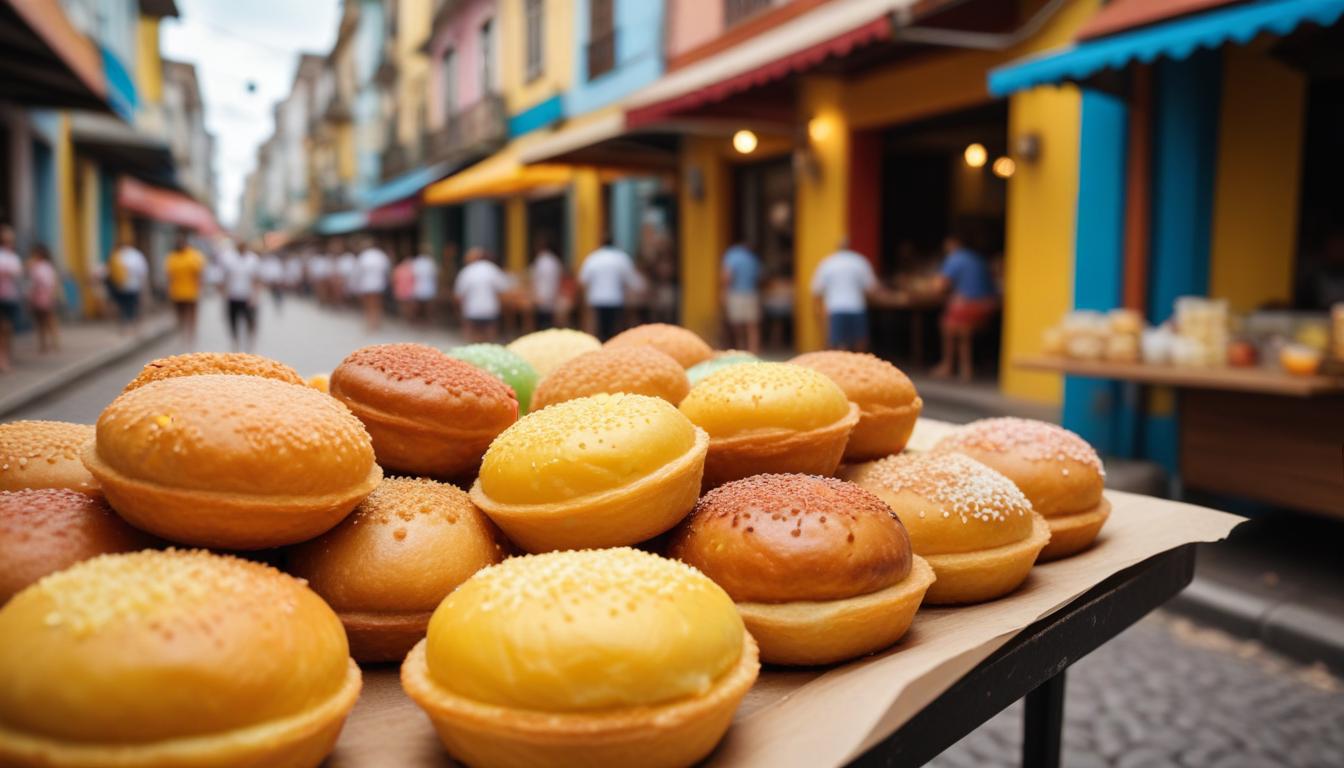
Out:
{"x": 745, "y": 141}
{"x": 975, "y": 155}
{"x": 1004, "y": 167}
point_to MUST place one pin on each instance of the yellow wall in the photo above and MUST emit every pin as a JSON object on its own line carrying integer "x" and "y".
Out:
{"x": 345, "y": 151}
{"x": 413, "y": 27}
{"x": 1258, "y": 179}
{"x": 149, "y": 65}
{"x": 68, "y": 250}
{"x": 89, "y": 223}
{"x": 588, "y": 224}
{"x": 703, "y": 230}
{"x": 519, "y": 92}
{"x": 515, "y": 235}
{"x": 822, "y": 217}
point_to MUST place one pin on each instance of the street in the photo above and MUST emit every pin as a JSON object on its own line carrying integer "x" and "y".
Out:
{"x": 1165, "y": 693}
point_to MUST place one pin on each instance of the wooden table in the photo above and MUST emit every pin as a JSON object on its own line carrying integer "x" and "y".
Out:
{"x": 917, "y": 305}
{"x": 1248, "y": 432}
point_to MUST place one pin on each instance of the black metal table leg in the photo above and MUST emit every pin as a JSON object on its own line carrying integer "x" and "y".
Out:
{"x": 1043, "y": 724}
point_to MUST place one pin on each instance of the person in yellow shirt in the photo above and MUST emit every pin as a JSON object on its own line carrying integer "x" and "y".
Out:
{"x": 185, "y": 268}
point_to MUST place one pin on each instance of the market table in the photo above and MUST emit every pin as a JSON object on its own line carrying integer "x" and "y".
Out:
{"x": 1249, "y": 432}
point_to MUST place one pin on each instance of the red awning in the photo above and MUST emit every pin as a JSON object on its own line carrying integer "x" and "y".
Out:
{"x": 397, "y": 214}
{"x": 165, "y": 205}
{"x": 1121, "y": 15}
{"x": 797, "y": 61}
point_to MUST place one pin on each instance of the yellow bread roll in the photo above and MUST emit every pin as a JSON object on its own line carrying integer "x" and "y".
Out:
{"x": 546, "y": 350}
{"x": 171, "y": 658}
{"x": 590, "y": 658}
{"x": 45, "y": 454}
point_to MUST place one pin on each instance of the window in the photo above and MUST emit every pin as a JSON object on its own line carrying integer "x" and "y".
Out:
{"x": 535, "y": 22}
{"x": 601, "y": 38}
{"x": 488, "y": 56}
{"x": 449, "y": 82}
{"x": 736, "y": 11}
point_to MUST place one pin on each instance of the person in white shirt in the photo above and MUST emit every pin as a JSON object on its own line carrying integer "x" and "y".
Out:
{"x": 547, "y": 272}
{"x": 606, "y": 275}
{"x": 477, "y": 289}
{"x": 370, "y": 282}
{"x": 129, "y": 271}
{"x": 272, "y": 274}
{"x": 344, "y": 277}
{"x": 242, "y": 284}
{"x": 11, "y": 269}
{"x": 426, "y": 273}
{"x": 320, "y": 270}
{"x": 841, "y": 287}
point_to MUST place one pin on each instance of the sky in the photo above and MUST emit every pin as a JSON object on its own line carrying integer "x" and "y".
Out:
{"x": 234, "y": 43}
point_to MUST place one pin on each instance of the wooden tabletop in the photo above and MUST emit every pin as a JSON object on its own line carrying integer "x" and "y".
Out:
{"x": 1259, "y": 380}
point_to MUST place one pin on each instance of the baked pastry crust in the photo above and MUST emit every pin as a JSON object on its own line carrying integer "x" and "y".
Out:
{"x": 45, "y": 454}
{"x": 676, "y": 733}
{"x": 888, "y": 403}
{"x": 812, "y": 452}
{"x": 627, "y": 515}
{"x": 1073, "y": 533}
{"x": 632, "y": 370}
{"x": 681, "y": 344}
{"x": 297, "y": 741}
{"x": 829, "y": 631}
{"x": 985, "y": 574}
{"x": 200, "y": 363}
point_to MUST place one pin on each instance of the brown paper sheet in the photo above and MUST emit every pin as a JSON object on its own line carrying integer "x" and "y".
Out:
{"x": 825, "y": 717}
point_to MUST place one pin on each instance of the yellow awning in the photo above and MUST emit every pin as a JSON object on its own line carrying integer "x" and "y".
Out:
{"x": 500, "y": 175}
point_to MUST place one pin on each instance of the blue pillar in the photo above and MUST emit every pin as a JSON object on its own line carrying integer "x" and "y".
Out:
{"x": 1093, "y": 407}
{"x": 1185, "y": 147}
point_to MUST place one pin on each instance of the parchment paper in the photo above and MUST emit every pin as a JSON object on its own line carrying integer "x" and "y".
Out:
{"x": 825, "y": 717}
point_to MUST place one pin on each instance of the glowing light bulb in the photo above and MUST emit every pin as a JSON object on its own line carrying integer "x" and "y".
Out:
{"x": 976, "y": 155}
{"x": 745, "y": 142}
{"x": 1004, "y": 167}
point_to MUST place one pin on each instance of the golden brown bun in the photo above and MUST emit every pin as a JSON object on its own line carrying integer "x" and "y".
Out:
{"x": 428, "y": 413}
{"x": 45, "y": 530}
{"x": 162, "y": 658}
{"x": 388, "y": 565}
{"x": 45, "y": 454}
{"x": 676, "y": 342}
{"x": 974, "y": 526}
{"x": 784, "y": 538}
{"x": 1071, "y": 534}
{"x": 197, "y": 363}
{"x": 633, "y": 370}
{"x": 888, "y": 403}
{"x": 237, "y": 462}
{"x": 1057, "y": 470}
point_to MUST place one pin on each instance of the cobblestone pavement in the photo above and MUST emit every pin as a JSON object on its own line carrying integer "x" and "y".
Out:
{"x": 1164, "y": 693}
{"x": 1168, "y": 692}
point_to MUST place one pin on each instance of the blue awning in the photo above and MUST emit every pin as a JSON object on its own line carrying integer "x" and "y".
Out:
{"x": 406, "y": 185}
{"x": 1174, "y": 39}
{"x": 341, "y": 223}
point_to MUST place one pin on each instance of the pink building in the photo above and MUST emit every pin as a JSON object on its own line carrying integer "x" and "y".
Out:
{"x": 464, "y": 58}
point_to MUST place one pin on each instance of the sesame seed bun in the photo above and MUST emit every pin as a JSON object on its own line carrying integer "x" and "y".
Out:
{"x": 508, "y": 367}
{"x": 633, "y": 370}
{"x": 45, "y": 454}
{"x": 888, "y": 403}
{"x": 676, "y": 342}
{"x": 237, "y": 462}
{"x": 45, "y": 530}
{"x": 973, "y": 526}
{"x": 626, "y": 659}
{"x": 821, "y": 569}
{"x": 428, "y": 413}
{"x": 171, "y": 658}
{"x": 387, "y": 566}
{"x": 1056, "y": 469}
{"x": 197, "y": 363}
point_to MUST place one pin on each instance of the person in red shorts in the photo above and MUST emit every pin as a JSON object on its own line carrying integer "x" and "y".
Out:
{"x": 973, "y": 299}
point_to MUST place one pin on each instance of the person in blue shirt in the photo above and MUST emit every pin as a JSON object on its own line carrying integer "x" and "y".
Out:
{"x": 973, "y": 298}
{"x": 741, "y": 289}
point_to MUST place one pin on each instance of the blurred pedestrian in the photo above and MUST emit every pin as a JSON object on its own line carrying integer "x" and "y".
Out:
{"x": 370, "y": 282}
{"x": 242, "y": 288}
{"x": 294, "y": 274}
{"x": 11, "y": 269}
{"x": 741, "y": 285}
{"x": 185, "y": 270}
{"x": 403, "y": 288}
{"x": 273, "y": 278}
{"x": 547, "y": 272}
{"x": 426, "y": 288}
{"x": 840, "y": 289}
{"x": 972, "y": 300}
{"x": 606, "y": 276}
{"x": 477, "y": 289}
{"x": 320, "y": 270}
{"x": 346, "y": 264}
{"x": 43, "y": 292}
{"x": 128, "y": 273}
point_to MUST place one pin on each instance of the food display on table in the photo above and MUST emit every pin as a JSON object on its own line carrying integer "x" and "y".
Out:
{"x": 770, "y": 418}
{"x": 611, "y": 657}
{"x": 43, "y": 530}
{"x": 509, "y": 367}
{"x": 974, "y": 527}
{"x": 387, "y": 566}
{"x": 633, "y": 370}
{"x": 696, "y": 373}
{"x": 888, "y": 403}
{"x": 682, "y": 345}
{"x": 236, "y": 462}
{"x": 45, "y": 454}
{"x": 1060, "y": 474}
{"x": 198, "y": 363}
{"x": 171, "y": 658}
{"x": 427, "y": 413}
{"x": 544, "y": 350}
{"x": 599, "y": 471}
{"x": 821, "y": 569}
